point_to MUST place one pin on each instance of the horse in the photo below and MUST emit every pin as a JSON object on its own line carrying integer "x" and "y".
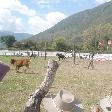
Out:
{"x": 20, "y": 63}
{"x": 60, "y": 56}
{"x": 33, "y": 55}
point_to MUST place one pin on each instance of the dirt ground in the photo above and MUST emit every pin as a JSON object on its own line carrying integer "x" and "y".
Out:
{"x": 87, "y": 85}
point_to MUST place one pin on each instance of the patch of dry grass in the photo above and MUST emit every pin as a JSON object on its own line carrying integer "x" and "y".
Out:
{"x": 87, "y": 85}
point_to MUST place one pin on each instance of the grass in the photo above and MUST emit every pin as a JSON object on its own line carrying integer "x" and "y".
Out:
{"x": 86, "y": 85}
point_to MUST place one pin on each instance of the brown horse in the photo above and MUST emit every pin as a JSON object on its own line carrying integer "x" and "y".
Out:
{"x": 20, "y": 63}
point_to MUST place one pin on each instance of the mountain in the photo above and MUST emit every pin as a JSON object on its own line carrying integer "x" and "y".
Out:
{"x": 18, "y": 36}
{"x": 21, "y": 36}
{"x": 74, "y": 25}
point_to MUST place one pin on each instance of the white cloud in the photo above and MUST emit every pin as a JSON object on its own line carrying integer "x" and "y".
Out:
{"x": 9, "y": 22}
{"x": 54, "y": 17}
{"x": 23, "y": 9}
{"x": 102, "y": 1}
{"x": 15, "y": 5}
{"x": 48, "y": 1}
{"x": 38, "y": 24}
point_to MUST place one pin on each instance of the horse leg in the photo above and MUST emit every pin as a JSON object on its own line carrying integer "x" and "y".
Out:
{"x": 17, "y": 68}
{"x": 27, "y": 66}
{"x": 59, "y": 58}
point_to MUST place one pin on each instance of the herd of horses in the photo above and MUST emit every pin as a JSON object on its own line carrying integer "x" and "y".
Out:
{"x": 59, "y": 55}
{"x": 18, "y": 63}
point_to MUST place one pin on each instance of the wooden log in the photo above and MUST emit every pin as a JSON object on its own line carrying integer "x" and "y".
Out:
{"x": 34, "y": 102}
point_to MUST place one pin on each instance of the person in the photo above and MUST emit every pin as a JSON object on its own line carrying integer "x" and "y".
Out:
{"x": 4, "y": 68}
{"x": 91, "y": 56}
{"x": 64, "y": 101}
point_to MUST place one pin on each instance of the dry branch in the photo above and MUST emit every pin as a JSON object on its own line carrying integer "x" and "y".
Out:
{"x": 33, "y": 103}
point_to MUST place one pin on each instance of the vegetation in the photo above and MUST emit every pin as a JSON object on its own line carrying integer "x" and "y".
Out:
{"x": 93, "y": 35}
{"x": 89, "y": 41}
{"x": 7, "y": 40}
{"x": 61, "y": 44}
{"x": 18, "y": 36}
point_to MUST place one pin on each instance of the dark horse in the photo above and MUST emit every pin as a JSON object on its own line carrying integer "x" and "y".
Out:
{"x": 60, "y": 55}
{"x": 33, "y": 55}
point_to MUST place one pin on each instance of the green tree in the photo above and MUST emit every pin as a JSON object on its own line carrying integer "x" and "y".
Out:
{"x": 60, "y": 44}
{"x": 7, "y": 40}
{"x": 19, "y": 45}
{"x": 96, "y": 33}
{"x": 29, "y": 44}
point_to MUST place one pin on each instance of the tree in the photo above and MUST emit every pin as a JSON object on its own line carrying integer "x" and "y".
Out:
{"x": 97, "y": 33}
{"x": 60, "y": 44}
{"x": 19, "y": 45}
{"x": 29, "y": 44}
{"x": 7, "y": 40}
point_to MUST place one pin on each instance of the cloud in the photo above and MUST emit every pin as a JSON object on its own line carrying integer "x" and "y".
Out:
{"x": 47, "y": 3}
{"x": 38, "y": 24}
{"x": 17, "y": 17}
{"x": 54, "y": 17}
{"x": 43, "y": 2}
{"x": 8, "y": 21}
{"x": 15, "y": 5}
{"x": 22, "y": 9}
{"x": 102, "y": 1}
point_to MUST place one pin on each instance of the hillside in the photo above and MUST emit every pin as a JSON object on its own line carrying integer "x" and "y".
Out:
{"x": 73, "y": 26}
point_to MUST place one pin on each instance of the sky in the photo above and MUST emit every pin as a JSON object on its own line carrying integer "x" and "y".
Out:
{"x": 35, "y": 16}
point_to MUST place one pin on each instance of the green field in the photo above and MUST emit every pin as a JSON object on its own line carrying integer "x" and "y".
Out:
{"x": 87, "y": 85}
